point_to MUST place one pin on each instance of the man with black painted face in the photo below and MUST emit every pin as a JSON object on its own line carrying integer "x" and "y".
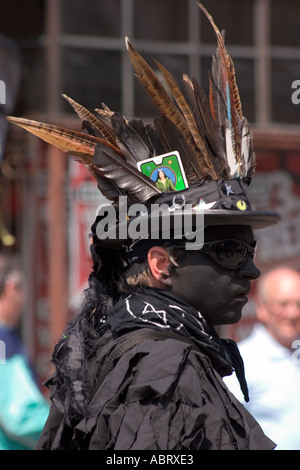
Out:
{"x": 141, "y": 366}
{"x": 217, "y": 290}
{"x": 152, "y": 378}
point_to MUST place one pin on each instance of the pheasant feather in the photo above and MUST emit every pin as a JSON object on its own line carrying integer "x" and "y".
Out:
{"x": 86, "y": 115}
{"x": 155, "y": 89}
{"x": 189, "y": 117}
{"x": 211, "y": 134}
{"x": 226, "y": 109}
{"x": 77, "y": 144}
{"x": 168, "y": 108}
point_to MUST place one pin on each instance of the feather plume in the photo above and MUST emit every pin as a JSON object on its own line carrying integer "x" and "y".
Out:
{"x": 108, "y": 188}
{"x": 188, "y": 116}
{"x": 247, "y": 148}
{"x": 210, "y": 132}
{"x": 227, "y": 110}
{"x": 182, "y": 118}
{"x": 155, "y": 89}
{"x": 216, "y": 98}
{"x": 77, "y": 144}
{"x": 172, "y": 139}
{"x": 126, "y": 176}
{"x": 105, "y": 115}
{"x": 86, "y": 115}
{"x": 184, "y": 107}
{"x": 235, "y": 92}
{"x": 207, "y": 127}
{"x": 129, "y": 141}
{"x": 114, "y": 175}
{"x": 149, "y": 137}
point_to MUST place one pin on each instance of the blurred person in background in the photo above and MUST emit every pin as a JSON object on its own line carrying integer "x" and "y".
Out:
{"x": 272, "y": 363}
{"x": 23, "y": 409}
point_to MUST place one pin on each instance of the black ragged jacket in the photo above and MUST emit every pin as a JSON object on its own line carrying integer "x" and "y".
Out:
{"x": 152, "y": 392}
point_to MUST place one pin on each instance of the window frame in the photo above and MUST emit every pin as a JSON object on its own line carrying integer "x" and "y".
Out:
{"x": 261, "y": 52}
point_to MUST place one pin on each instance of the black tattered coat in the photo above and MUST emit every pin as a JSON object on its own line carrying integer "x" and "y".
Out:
{"x": 160, "y": 395}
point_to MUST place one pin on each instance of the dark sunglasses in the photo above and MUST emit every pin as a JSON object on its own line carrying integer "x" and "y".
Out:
{"x": 229, "y": 253}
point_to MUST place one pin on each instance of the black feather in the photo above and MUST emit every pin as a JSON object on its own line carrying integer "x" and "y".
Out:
{"x": 125, "y": 176}
{"x": 172, "y": 139}
{"x": 129, "y": 141}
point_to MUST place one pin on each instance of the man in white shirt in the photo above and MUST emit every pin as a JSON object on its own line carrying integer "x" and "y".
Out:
{"x": 271, "y": 358}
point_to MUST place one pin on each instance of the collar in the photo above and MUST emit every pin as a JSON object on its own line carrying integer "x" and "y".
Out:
{"x": 271, "y": 348}
{"x": 162, "y": 310}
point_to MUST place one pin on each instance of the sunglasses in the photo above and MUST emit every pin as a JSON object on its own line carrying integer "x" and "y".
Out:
{"x": 229, "y": 253}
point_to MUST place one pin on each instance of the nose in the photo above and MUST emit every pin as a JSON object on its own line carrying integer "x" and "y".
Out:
{"x": 249, "y": 270}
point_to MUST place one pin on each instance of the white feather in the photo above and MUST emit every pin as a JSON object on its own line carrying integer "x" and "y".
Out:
{"x": 230, "y": 152}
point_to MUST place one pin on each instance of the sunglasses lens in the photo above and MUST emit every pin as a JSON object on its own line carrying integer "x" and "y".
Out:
{"x": 229, "y": 253}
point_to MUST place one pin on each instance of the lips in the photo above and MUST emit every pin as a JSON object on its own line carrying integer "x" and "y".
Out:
{"x": 242, "y": 295}
{"x": 241, "y": 298}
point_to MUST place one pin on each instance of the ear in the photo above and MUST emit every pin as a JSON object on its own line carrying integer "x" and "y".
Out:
{"x": 159, "y": 260}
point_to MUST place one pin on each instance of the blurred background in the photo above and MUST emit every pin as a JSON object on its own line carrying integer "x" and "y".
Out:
{"x": 48, "y": 202}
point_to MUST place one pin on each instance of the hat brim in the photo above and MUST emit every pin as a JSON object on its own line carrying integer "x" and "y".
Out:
{"x": 255, "y": 219}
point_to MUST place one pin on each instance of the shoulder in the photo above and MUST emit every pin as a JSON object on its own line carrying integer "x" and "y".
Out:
{"x": 159, "y": 373}
{"x": 151, "y": 389}
{"x": 156, "y": 361}
{"x": 161, "y": 389}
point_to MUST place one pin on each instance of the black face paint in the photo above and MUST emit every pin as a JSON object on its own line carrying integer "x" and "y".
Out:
{"x": 218, "y": 293}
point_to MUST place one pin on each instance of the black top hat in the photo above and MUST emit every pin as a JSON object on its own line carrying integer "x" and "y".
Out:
{"x": 178, "y": 214}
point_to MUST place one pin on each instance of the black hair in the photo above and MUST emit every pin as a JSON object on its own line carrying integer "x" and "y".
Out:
{"x": 108, "y": 280}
